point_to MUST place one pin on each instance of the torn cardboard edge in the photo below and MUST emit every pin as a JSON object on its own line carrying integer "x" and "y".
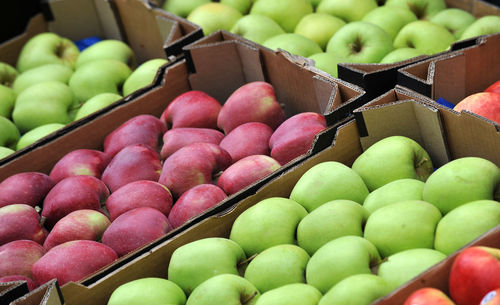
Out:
{"x": 46, "y": 294}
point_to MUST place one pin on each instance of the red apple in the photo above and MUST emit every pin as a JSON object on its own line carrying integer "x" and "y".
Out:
{"x": 20, "y": 221}
{"x": 25, "y": 188}
{"x": 247, "y": 139}
{"x": 474, "y": 273}
{"x": 16, "y": 278}
{"x": 72, "y": 261}
{"x": 192, "y": 109}
{"x": 132, "y": 163}
{"x": 245, "y": 172}
{"x": 428, "y": 296}
{"x": 176, "y": 138}
{"x": 80, "y": 162}
{"x": 141, "y": 193}
{"x": 252, "y": 102}
{"x": 17, "y": 257}
{"x": 491, "y": 298}
{"x": 495, "y": 87}
{"x": 193, "y": 202}
{"x": 486, "y": 104}
{"x": 141, "y": 129}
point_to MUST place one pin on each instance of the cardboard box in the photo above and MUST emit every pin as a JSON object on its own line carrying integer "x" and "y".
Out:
{"x": 46, "y": 294}
{"x": 12, "y": 290}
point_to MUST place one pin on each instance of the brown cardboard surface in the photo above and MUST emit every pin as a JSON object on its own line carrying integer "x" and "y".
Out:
{"x": 12, "y": 290}
{"x": 46, "y": 294}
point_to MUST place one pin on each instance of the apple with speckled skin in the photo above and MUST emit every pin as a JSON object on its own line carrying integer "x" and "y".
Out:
{"x": 428, "y": 295}
{"x": 17, "y": 257}
{"x": 88, "y": 162}
{"x": 247, "y": 139}
{"x": 25, "y": 188}
{"x": 20, "y": 221}
{"x": 176, "y": 138}
{"x": 482, "y": 103}
{"x": 149, "y": 290}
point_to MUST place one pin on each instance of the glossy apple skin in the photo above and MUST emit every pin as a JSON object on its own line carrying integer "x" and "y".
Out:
{"x": 486, "y": 104}
{"x": 193, "y": 202}
{"x": 15, "y": 278}
{"x": 88, "y": 162}
{"x": 192, "y": 109}
{"x": 491, "y": 298}
{"x": 18, "y": 257}
{"x": 176, "y": 138}
{"x": 20, "y": 221}
{"x": 428, "y": 296}
{"x": 141, "y": 129}
{"x": 474, "y": 273}
{"x": 495, "y": 87}
{"x": 247, "y": 139}
{"x": 25, "y": 188}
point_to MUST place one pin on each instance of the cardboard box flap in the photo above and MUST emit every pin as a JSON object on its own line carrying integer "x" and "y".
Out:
{"x": 12, "y": 290}
{"x": 46, "y": 294}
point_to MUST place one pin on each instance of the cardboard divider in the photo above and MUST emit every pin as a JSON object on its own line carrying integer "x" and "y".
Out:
{"x": 12, "y": 290}
{"x": 46, "y": 294}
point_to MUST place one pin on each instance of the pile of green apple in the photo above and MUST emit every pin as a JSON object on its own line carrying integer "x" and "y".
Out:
{"x": 345, "y": 235}
{"x": 54, "y": 84}
{"x": 334, "y": 31}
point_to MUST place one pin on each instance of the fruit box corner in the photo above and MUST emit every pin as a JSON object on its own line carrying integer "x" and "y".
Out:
{"x": 12, "y": 290}
{"x": 46, "y": 294}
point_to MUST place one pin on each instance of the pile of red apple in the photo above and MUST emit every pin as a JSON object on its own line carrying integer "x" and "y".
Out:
{"x": 152, "y": 176}
{"x": 486, "y": 103}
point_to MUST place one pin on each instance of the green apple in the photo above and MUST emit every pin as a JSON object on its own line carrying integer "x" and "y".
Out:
{"x": 358, "y": 289}
{"x": 287, "y": 13}
{"x": 392, "y": 192}
{"x": 5, "y": 151}
{"x": 98, "y": 76}
{"x": 402, "y": 225}
{"x": 147, "y": 291}
{"x": 454, "y": 19}
{"x": 108, "y": 49}
{"x": 460, "y": 181}
{"x": 315, "y": 3}
{"x": 43, "y": 103}
{"x": 291, "y": 294}
{"x": 293, "y": 43}
{"x": 182, "y": 7}
{"x": 8, "y": 74}
{"x": 36, "y": 134}
{"x": 482, "y": 26}
{"x": 360, "y": 41}
{"x": 319, "y": 27}
{"x": 465, "y": 223}
{"x": 47, "y": 48}
{"x": 50, "y": 72}
{"x": 328, "y": 62}
{"x": 401, "y": 54}
{"x": 257, "y": 28}
{"x": 197, "y": 261}
{"x": 9, "y": 134}
{"x": 349, "y": 11}
{"x": 401, "y": 267}
{"x": 390, "y": 159}
{"x": 425, "y": 36}
{"x": 277, "y": 266}
{"x": 338, "y": 259}
{"x": 143, "y": 75}
{"x": 96, "y": 103}
{"x": 328, "y": 181}
{"x": 329, "y": 221}
{"x": 390, "y": 19}
{"x": 243, "y": 6}
{"x": 423, "y": 9}
{"x": 267, "y": 213}
{"x": 214, "y": 16}
{"x": 227, "y": 289}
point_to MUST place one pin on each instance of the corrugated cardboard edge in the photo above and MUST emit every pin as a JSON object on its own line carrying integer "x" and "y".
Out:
{"x": 46, "y": 294}
{"x": 12, "y": 290}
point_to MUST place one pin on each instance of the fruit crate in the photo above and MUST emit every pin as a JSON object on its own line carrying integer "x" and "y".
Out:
{"x": 46, "y": 294}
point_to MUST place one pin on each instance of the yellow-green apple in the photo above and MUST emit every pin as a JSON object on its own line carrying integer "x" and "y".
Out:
{"x": 176, "y": 138}
{"x": 36, "y": 134}
{"x": 454, "y": 19}
{"x": 401, "y": 226}
{"x": 400, "y": 54}
{"x": 8, "y": 75}
{"x": 403, "y": 266}
{"x": 425, "y": 36}
{"x": 47, "y": 48}
{"x": 243, "y": 6}
{"x": 192, "y": 109}
{"x": 25, "y": 188}
{"x": 392, "y": 192}
{"x": 134, "y": 229}
{"x": 329, "y": 221}
{"x": 71, "y": 194}
{"x": 224, "y": 289}
{"x": 293, "y": 43}
{"x": 192, "y": 165}
{"x": 78, "y": 225}
{"x": 460, "y": 225}
{"x": 17, "y": 257}
{"x": 5, "y": 151}
{"x": 491, "y": 298}
{"x": 360, "y": 41}
{"x": 72, "y": 261}
{"x": 214, "y": 16}
{"x": 485, "y": 104}
{"x": 291, "y": 294}
{"x": 287, "y": 13}
{"x": 16, "y": 278}
{"x": 357, "y": 255}
{"x": 482, "y": 26}
{"x": 268, "y": 212}
{"x": 182, "y": 7}
{"x": 295, "y": 136}
{"x": 83, "y": 161}
{"x": 349, "y": 11}
{"x": 197, "y": 261}
{"x": 328, "y": 181}
{"x": 193, "y": 202}
{"x": 277, "y": 266}
{"x": 246, "y": 171}
{"x": 357, "y": 289}
{"x": 131, "y": 196}
{"x": 423, "y": 9}
{"x": 146, "y": 291}
{"x": 257, "y": 28}
{"x": 428, "y": 295}
{"x": 246, "y": 140}
{"x": 9, "y": 134}
{"x": 45, "y": 73}
{"x": 393, "y": 158}
{"x": 20, "y": 221}
{"x": 495, "y": 87}
{"x": 132, "y": 163}
{"x": 328, "y": 61}
{"x": 460, "y": 181}
{"x": 252, "y": 102}
{"x": 143, "y": 75}
{"x": 95, "y": 103}
{"x": 107, "y": 49}
{"x": 390, "y": 19}
{"x": 319, "y": 27}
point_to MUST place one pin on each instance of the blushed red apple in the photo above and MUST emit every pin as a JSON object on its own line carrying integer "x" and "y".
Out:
{"x": 247, "y": 139}
{"x": 428, "y": 296}
{"x": 25, "y": 188}
{"x": 15, "y": 278}
{"x": 18, "y": 257}
{"x": 176, "y": 138}
{"x": 491, "y": 298}
{"x": 486, "y": 104}
{"x": 88, "y": 162}
{"x": 495, "y": 87}
{"x": 20, "y": 221}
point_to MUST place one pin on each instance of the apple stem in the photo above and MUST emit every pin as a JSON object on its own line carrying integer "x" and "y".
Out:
{"x": 250, "y": 298}
{"x": 43, "y": 219}
{"x": 242, "y": 263}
